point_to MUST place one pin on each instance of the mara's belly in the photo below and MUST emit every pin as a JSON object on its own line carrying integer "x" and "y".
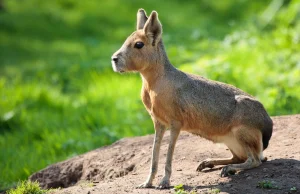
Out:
{"x": 226, "y": 137}
{"x": 207, "y": 126}
{"x": 211, "y": 134}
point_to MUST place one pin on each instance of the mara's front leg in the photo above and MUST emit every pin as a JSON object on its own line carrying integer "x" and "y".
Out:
{"x": 165, "y": 182}
{"x": 159, "y": 133}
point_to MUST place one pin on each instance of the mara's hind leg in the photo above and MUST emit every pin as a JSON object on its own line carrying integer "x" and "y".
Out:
{"x": 250, "y": 140}
{"x": 210, "y": 163}
{"x": 251, "y": 162}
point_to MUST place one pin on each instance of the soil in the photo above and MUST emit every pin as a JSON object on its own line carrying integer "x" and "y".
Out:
{"x": 120, "y": 167}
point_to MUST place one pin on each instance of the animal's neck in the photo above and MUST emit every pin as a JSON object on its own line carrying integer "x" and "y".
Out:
{"x": 156, "y": 72}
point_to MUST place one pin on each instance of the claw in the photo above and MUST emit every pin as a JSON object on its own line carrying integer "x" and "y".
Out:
{"x": 164, "y": 184}
{"x": 224, "y": 172}
{"x": 205, "y": 164}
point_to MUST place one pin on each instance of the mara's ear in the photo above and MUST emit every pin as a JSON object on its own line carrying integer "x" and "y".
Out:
{"x": 141, "y": 19}
{"x": 153, "y": 28}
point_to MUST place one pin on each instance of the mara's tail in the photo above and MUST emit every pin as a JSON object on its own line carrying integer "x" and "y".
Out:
{"x": 267, "y": 132}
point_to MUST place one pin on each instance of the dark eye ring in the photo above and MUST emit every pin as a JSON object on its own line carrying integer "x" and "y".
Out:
{"x": 138, "y": 45}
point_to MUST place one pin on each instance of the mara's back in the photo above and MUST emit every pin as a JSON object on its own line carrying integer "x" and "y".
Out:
{"x": 207, "y": 107}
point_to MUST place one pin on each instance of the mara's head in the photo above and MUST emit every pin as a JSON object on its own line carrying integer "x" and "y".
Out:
{"x": 142, "y": 49}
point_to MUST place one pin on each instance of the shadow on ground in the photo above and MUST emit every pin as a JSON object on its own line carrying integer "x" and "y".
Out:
{"x": 279, "y": 175}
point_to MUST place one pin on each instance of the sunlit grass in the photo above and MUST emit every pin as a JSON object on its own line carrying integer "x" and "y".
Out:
{"x": 47, "y": 125}
{"x": 28, "y": 187}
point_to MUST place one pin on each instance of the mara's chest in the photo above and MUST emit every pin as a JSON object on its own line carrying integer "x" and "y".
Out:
{"x": 159, "y": 105}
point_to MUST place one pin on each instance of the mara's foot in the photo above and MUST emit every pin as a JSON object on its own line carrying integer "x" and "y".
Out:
{"x": 164, "y": 184}
{"x": 227, "y": 170}
{"x": 144, "y": 185}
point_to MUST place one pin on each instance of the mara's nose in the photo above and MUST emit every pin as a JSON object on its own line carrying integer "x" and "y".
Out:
{"x": 114, "y": 58}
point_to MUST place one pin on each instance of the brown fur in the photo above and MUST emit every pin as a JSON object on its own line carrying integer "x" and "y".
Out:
{"x": 180, "y": 101}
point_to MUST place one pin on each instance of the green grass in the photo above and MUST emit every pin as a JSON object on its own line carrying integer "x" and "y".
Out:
{"x": 214, "y": 191}
{"x": 28, "y": 187}
{"x": 265, "y": 184}
{"x": 179, "y": 189}
{"x": 58, "y": 94}
{"x": 293, "y": 189}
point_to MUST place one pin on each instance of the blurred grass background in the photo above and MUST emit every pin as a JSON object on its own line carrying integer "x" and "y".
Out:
{"x": 58, "y": 94}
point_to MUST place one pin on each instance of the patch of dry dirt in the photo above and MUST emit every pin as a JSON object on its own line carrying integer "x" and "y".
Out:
{"x": 120, "y": 167}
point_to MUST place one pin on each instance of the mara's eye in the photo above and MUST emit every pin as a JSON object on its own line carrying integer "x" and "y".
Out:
{"x": 139, "y": 45}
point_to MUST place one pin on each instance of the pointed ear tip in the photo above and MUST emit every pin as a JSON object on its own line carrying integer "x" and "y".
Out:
{"x": 154, "y": 13}
{"x": 141, "y": 10}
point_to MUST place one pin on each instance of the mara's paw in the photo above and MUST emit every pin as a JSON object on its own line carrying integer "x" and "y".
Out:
{"x": 227, "y": 170}
{"x": 205, "y": 164}
{"x": 164, "y": 184}
{"x": 144, "y": 185}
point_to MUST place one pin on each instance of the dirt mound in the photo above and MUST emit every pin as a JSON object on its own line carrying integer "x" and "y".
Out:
{"x": 120, "y": 167}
